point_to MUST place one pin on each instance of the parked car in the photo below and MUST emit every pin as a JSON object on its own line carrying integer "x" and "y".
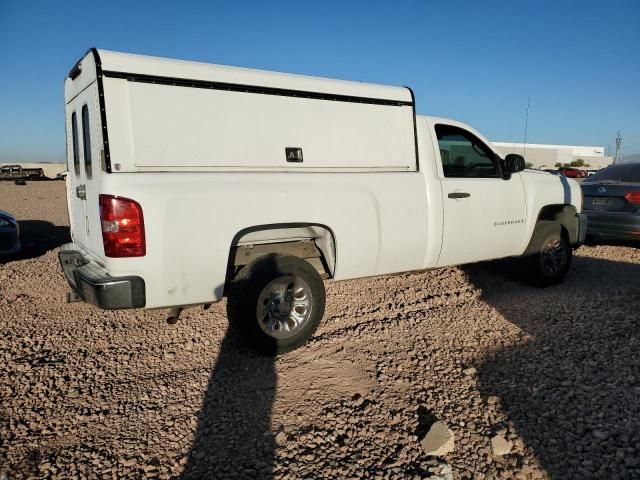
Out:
{"x": 572, "y": 172}
{"x": 267, "y": 183}
{"x": 18, "y": 172}
{"x": 9, "y": 234}
{"x": 612, "y": 202}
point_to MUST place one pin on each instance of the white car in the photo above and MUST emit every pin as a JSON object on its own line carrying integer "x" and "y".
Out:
{"x": 189, "y": 182}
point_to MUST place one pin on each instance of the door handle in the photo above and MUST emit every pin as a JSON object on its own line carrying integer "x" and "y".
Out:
{"x": 81, "y": 192}
{"x": 459, "y": 195}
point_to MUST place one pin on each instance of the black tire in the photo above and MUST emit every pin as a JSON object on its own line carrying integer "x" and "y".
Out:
{"x": 548, "y": 256}
{"x": 267, "y": 288}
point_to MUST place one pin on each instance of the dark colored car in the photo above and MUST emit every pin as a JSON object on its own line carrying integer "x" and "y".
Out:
{"x": 18, "y": 172}
{"x": 612, "y": 202}
{"x": 9, "y": 234}
{"x": 572, "y": 172}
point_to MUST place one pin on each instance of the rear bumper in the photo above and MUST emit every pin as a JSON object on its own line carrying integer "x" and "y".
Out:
{"x": 577, "y": 229}
{"x": 95, "y": 286}
{"x": 614, "y": 224}
{"x": 583, "y": 223}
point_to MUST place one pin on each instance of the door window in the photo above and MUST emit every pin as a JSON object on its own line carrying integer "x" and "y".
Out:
{"x": 74, "y": 147}
{"x": 86, "y": 141}
{"x": 464, "y": 155}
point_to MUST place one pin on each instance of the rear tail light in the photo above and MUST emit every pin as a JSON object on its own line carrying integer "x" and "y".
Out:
{"x": 122, "y": 227}
{"x": 633, "y": 197}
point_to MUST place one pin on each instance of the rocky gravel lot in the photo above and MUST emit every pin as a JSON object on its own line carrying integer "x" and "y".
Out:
{"x": 530, "y": 383}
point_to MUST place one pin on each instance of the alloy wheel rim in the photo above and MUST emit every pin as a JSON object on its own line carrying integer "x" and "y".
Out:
{"x": 284, "y": 306}
{"x": 553, "y": 256}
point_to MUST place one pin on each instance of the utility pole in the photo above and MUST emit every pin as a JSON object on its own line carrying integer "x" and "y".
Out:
{"x": 618, "y": 148}
{"x": 526, "y": 124}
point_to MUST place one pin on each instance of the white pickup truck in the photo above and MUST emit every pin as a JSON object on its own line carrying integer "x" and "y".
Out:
{"x": 189, "y": 182}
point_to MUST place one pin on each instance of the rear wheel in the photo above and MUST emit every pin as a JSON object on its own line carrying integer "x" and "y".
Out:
{"x": 548, "y": 256}
{"x": 276, "y": 302}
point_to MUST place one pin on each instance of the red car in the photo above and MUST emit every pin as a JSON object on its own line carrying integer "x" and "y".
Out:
{"x": 572, "y": 172}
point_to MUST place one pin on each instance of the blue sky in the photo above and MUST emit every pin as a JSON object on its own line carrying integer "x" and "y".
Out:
{"x": 473, "y": 61}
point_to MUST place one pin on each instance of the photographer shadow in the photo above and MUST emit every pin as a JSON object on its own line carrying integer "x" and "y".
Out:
{"x": 234, "y": 437}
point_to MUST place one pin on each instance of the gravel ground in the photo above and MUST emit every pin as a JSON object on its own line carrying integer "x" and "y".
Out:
{"x": 555, "y": 372}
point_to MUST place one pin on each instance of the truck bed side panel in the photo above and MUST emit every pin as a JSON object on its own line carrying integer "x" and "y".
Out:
{"x": 379, "y": 221}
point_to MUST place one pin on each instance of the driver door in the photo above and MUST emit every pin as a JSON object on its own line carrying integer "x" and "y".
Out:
{"x": 484, "y": 214}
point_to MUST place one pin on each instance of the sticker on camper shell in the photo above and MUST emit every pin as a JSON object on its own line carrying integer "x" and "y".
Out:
{"x": 294, "y": 154}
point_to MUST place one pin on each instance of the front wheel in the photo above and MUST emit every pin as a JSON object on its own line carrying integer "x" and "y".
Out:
{"x": 548, "y": 256}
{"x": 276, "y": 302}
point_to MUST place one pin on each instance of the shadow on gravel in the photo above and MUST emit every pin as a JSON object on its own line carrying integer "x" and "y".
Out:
{"x": 37, "y": 237}
{"x": 571, "y": 390}
{"x": 233, "y": 438}
{"x": 593, "y": 241}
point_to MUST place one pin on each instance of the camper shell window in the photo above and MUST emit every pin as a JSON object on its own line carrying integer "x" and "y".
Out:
{"x": 74, "y": 147}
{"x": 86, "y": 140}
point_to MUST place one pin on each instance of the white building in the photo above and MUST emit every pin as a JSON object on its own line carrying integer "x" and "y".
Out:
{"x": 547, "y": 156}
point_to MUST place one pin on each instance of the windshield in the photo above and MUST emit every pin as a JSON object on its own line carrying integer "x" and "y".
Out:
{"x": 618, "y": 173}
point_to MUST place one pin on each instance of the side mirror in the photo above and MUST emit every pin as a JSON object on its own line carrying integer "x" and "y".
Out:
{"x": 514, "y": 163}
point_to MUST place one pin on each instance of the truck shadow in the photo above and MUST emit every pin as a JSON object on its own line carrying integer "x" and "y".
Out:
{"x": 233, "y": 437}
{"x": 37, "y": 237}
{"x": 613, "y": 242}
{"x": 568, "y": 386}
